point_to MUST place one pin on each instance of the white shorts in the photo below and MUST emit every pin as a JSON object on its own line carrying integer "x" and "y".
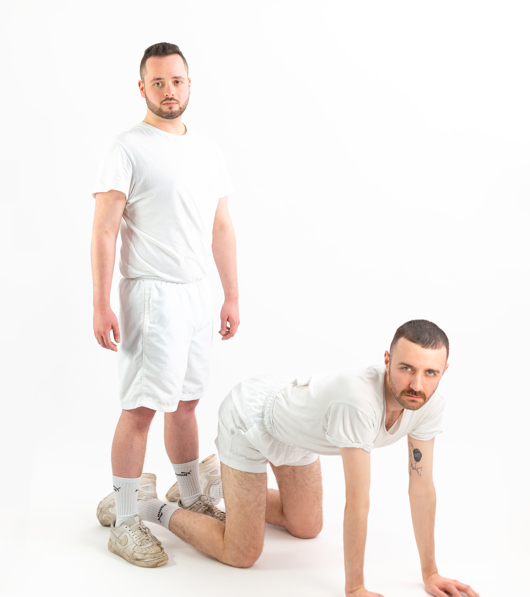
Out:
{"x": 243, "y": 441}
{"x": 166, "y": 337}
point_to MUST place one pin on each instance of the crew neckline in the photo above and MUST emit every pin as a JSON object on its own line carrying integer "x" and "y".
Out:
{"x": 172, "y": 135}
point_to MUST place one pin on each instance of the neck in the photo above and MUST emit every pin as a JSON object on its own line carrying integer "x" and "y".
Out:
{"x": 174, "y": 126}
{"x": 393, "y": 408}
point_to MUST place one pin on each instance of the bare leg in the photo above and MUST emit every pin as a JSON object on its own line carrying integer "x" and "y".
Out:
{"x": 130, "y": 439}
{"x": 181, "y": 435}
{"x": 297, "y": 505}
{"x": 239, "y": 542}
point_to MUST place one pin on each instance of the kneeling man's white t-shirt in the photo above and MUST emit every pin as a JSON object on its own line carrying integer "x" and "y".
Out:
{"x": 347, "y": 410}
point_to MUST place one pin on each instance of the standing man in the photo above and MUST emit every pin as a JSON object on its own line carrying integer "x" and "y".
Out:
{"x": 288, "y": 423}
{"x": 167, "y": 187}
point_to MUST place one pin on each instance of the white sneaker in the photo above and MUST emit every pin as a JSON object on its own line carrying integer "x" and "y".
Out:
{"x": 133, "y": 543}
{"x": 204, "y": 505}
{"x": 209, "y": 474}
{"x": 106, "y": 512}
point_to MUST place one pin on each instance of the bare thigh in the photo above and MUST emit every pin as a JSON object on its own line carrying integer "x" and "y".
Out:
{"x": 301, "y": 497}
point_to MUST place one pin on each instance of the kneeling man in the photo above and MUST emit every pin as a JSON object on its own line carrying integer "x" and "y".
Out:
{"x": 288, "y": 423}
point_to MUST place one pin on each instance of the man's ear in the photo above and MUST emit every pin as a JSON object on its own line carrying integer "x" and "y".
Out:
{"x": 141, "y": 86}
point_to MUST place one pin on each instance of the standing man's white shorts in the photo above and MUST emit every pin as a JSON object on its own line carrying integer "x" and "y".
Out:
{"x": 166, "y": 337}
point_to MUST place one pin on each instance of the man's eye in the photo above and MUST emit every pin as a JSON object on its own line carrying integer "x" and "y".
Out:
{"x": 405, "y": 368}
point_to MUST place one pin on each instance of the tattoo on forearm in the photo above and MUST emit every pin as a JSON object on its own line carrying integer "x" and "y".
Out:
{"x": 414, "y": 457}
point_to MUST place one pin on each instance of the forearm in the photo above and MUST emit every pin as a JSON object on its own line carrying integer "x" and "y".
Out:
{"x": 355, "y": 528}
{"x": 224, "y": 253}
{"x": 103, "y": 252}
{"x": 423, "y": 508}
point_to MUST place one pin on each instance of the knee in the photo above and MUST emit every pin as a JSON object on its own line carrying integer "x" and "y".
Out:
{"x": 306, "y": 531}
{"x": 244, "y": 559}
{"x": 186, "y": 408}
{"x": 139, "y": 417}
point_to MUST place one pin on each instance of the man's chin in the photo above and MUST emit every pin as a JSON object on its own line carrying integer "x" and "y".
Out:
{"x": 413, "y": 404}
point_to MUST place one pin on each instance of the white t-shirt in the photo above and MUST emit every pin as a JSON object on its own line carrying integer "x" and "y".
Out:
{"x": 172, "y": 184}
{"x": 325, "y": 413}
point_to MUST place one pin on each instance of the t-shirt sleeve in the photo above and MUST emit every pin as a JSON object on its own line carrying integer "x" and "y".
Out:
{"x": 431, "y": 424}
{"x": 349, "y": 427}
{"x": 115, "y": 171}
{"x": 224, "y": 182}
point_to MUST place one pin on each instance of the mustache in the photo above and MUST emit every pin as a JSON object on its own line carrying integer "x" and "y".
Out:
{"x": 406, "y": 393}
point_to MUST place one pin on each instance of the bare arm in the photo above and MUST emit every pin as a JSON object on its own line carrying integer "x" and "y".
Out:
{"x": 356, "y": 463}
{"x": 107, "y": 217}
{"x": 422, "y": 496}
{"x": 224, "y": 253}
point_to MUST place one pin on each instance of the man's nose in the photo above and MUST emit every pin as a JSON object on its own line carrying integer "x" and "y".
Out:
{"x": 416, "y": 383}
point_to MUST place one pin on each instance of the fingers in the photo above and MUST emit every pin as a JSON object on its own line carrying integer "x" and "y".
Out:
{"x": 104, "y": 340}
{"x": 452, "y": 590}
{"x": 436, "y": 592}
{"x": 116, "y": 332}
{"x": 466, "y": 589}
{"x": 228, "y": 328}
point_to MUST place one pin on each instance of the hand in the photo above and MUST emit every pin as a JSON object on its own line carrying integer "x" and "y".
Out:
{"x": 104, "y": 321}
{"x": 229, "y": 319}
{"x": 362, "y": 592}
{"x": 442, "y": 587}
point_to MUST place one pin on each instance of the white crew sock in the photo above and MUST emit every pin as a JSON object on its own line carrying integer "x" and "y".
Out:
{"x": 126, "y": 496}
{"x": 189, "y": 481}
{"x": 155, "y": 510}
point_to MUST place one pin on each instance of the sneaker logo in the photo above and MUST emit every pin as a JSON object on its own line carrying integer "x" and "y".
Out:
{"x": 183, "y": 474}
{"x": 159, "y": 515}
{"x": 123, "y": 540}
{"x": 116, "y": 488}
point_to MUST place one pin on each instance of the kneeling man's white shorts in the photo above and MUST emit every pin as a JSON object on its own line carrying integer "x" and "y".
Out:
{"x": 243, "y": 441}
{"x": 166, "y": 337}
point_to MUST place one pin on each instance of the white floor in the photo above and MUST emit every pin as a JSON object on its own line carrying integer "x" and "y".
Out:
{"x": 53, "y": 544}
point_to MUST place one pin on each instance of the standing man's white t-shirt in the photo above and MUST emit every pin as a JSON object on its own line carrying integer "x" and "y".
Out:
{"x": 172, "y": 184}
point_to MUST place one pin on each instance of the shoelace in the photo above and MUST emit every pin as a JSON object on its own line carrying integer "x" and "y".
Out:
{"x": 147, "y": 530}
{"x": 216, "y": 513}
{"x": 140, "y": 534}
{"x": 202, "y": 506}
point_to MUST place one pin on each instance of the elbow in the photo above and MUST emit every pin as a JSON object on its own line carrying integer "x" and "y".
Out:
{"x": 357, "y": 504}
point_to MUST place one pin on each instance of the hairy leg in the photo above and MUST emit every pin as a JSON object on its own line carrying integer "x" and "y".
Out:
{"x": 181, "y": 435}
{"x": 130, "y": 439}
{"x": 239, "y": 542}
{"x": 297, "y": 505}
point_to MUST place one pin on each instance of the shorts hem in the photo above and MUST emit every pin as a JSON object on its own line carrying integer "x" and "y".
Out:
{"x": 188, "y": 397}
{"x": 243, "y": 467}
{"x": 165, "y": 408}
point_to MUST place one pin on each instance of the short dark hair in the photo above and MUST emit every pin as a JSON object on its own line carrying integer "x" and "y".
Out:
{"x": 422, "y": 332}
{"x": 161, "y": 49}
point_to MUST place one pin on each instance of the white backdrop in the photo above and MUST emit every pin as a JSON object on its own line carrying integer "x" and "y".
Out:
{"x": 380, "y": 156}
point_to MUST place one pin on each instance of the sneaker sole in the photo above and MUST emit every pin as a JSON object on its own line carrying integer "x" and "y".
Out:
{"x": 140, "y": 563}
